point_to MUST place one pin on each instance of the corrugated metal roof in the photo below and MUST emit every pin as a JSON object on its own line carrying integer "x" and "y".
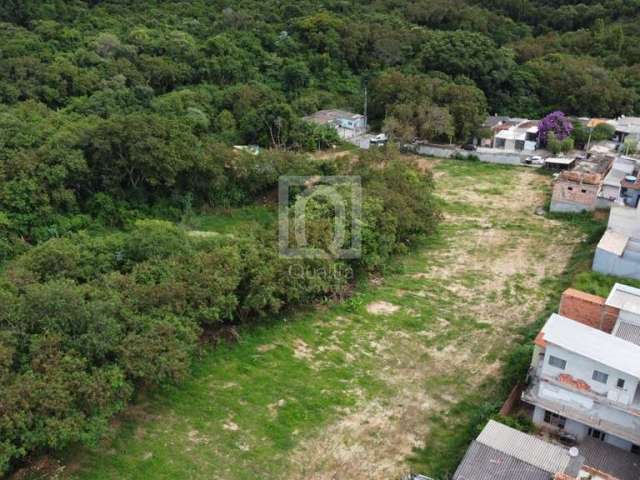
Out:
{"x": 594, "y": 344}
{"x": 628, "y": 332}
{"x": 526, "y": 448}
{"x": 613, "y": 242}
{"x": 485, "y": 463}
{"x": 625, "y": 298}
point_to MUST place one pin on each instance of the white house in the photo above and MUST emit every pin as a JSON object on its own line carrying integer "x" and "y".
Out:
{"x": 517, "y": 138}
{"x": 347, "y": 124}
{"x": 586, "y": 382}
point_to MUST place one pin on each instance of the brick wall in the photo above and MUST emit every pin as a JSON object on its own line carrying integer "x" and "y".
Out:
{"x": 567, "y": 191}
{"x": 588, "y": 309}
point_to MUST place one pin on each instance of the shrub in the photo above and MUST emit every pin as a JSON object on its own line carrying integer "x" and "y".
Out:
{"x": 87, "y": 320}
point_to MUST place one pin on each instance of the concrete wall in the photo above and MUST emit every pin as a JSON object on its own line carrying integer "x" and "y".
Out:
{"x": 625, "y": 220}
{"x": 588, "y": 309}
{"x": 443, "y": 151}
{"x": 501, "y": 158}
{"x": 489, "y": 155}
{"x": 557, "y": 206}
{"x": 603, "y": 203}
{"x": 628, "y": 265}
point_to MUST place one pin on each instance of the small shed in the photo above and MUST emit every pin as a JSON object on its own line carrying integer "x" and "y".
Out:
{"x": 559, "y": 163}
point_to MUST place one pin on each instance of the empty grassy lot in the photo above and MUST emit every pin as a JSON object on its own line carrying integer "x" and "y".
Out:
{"x": 352, "y": 390}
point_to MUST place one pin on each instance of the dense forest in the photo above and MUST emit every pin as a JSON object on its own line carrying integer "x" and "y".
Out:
{"x": 115, "y": 114}
{"x": 105, "y": 103}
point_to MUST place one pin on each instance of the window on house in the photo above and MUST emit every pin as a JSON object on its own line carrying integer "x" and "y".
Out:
{"x": 583, "y": 191}
{"x": 570, "y": 189}
{"x": 620, "y": 383}
{"x": 600, "y": 376}
{"x": 557, "y": 362}
{"x": 597, "y": 434}
{"x": 635, "y": 449}
{"x": 554, "y": 419}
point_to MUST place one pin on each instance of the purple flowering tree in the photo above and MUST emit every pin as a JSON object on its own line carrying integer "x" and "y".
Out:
{"x": 556, "y": 122}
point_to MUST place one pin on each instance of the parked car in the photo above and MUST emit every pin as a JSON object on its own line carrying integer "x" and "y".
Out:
{"x": 379, "y": 139}
{"x": 470, "y": 147}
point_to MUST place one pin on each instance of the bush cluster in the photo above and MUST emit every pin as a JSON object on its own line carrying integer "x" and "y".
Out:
{"x": 86, "y": 320}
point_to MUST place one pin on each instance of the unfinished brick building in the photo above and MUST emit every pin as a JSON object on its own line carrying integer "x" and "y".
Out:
{"x": 575, "y": 191}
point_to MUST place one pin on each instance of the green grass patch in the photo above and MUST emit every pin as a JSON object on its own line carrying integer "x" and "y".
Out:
{"x": 235, "y": 220}
{"x": 249, "y": 406}
{"x": 452, "y": 432}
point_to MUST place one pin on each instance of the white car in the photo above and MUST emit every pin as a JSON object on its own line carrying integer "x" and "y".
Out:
{"x": 380, "y": 138}
{"x": 534, "y": 160}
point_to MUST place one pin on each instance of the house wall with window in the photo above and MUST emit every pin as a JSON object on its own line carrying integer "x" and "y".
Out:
{"x": 578, "y": 384}
{"x": 589, "y": 376}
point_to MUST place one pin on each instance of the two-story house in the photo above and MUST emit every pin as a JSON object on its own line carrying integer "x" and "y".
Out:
{"x": 586, "y": 382}
{"x": 517, "y": 138}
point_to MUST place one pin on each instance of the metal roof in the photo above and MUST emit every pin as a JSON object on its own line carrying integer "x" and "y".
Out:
{"x": 486, "y": 463}
{"x": 592, "y": 343}
{"x": 527, "y": 448}
{"x": 503, "y": 453}
{"x": 625, "y": 298}
{"x": 628, "y": 332}
{"x": 512, "y": 134}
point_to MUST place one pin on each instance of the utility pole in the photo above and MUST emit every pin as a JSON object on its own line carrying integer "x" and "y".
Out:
{"x": 366, "y": 105}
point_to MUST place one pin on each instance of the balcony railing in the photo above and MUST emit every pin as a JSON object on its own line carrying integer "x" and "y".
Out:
{"x": 632, "y": 408}
{"x": 630, "y": 431}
